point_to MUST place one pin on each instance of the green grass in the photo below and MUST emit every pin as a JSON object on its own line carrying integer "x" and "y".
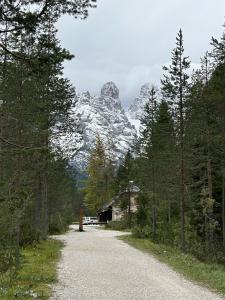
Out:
{"x": 36, "y": 274}
{"x": 206, "y": 274}
{"x": 117, "y": 225}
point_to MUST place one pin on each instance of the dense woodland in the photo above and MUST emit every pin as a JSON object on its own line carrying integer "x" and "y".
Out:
{"x": 179, "y": 159}
{"x": 38, "y": 193}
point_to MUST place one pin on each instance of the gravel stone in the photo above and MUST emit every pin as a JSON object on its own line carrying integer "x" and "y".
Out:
{"x": 95, "y": 265}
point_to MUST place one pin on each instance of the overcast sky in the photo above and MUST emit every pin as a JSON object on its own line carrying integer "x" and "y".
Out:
{"x": 128, "y": 41}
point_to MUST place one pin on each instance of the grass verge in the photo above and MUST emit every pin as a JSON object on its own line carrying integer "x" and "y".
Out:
{"x": 209, "y": 275}
{"x": 37, "y": 272}
{"x": 118, "y": 226}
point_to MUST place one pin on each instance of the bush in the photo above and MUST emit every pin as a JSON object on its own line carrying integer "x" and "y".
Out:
{"x": 9, "y": 237}
{"x": 142, "y": 232}
{"x": 57, "y": 224}
{"x": 123, "y": 224}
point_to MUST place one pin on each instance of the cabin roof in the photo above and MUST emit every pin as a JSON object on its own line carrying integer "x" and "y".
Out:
{"x": 135, "y": 189}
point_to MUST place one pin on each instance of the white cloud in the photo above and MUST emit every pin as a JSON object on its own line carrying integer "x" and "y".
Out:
{"x": 128, "y": 41}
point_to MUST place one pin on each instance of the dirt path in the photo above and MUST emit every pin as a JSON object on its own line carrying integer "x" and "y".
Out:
{"x": 97, "y": 266}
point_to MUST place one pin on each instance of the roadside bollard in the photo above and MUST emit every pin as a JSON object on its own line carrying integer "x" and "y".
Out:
{"x": 81, "y": 214}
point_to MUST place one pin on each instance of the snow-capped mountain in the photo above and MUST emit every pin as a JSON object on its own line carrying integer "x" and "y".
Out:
{"x": 136, "y": 110}
{"x": 104, "y": 116}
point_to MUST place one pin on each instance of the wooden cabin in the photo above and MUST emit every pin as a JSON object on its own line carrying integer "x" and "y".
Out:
{"x": 112, "y": 210}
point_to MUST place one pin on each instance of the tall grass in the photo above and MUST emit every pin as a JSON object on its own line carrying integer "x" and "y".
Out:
{"x": 36, "y": 273}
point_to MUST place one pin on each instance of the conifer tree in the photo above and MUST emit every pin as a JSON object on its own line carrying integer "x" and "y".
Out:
{"x": 147, "y": 153}
{"x": 164, "y": 154}
{"x": 148, "y": 119}
{"x": 175, "y": 88}
{"x": 218, "y": 52}
{"x": 35, "y": 111}
{"x": 123, "y": 183}
{"x": 98, "y": 190}
{"x": 29, "y": 14}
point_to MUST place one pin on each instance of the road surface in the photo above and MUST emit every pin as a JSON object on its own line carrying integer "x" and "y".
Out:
{"x": 95, "y": 265}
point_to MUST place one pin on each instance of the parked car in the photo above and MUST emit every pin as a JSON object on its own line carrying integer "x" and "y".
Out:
{"x": 86, "y": 220}
{"x": 94, "y": 220}
{"x": 90, "y": 221}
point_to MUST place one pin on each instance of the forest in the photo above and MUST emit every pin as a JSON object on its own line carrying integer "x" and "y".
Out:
{"x": 177, "y": 162}
{"x": 38, "y": 190}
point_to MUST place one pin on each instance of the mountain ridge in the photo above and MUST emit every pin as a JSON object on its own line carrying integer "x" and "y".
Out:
{"x": 104, "y": 116}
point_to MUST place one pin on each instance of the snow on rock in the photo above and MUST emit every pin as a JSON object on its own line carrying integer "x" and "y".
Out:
{"x": 136, "y": 110}
{"x": 110, "y": 90}
{"x": 103, "y": 116}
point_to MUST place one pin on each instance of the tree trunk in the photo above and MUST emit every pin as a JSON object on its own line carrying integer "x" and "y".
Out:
{"x": 154, "y": 222}
{"x": 4, "y": 69}
{"x": 154, "y": 228}
{"x": 210, "y": 193}
{"x": 223, "y": 202}
{"x": 182, "y": 172}
{"x": 182, "y": 209}
{"x": 37, "y": 205}
{"x": 169, "y": 212}
{"x": 209, "y": 175}
{"x": 45, "y": 205}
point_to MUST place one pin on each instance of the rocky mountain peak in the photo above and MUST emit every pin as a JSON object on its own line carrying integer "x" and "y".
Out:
{"x": 136, "y": 109}
{"x": 110, "y": 90}
{"x": 145, "y": 89}
{"x": 104, "y": 116}
{"x": 86, "y": 94}
{"x": 84, "y": 98}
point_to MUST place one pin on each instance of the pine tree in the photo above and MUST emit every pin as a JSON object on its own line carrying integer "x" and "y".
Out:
{"x": 218, "y": 55}
{"x": 36, "y": 104}
{"x": 204, "y": 128}
{"x": 175, "y": 88}
{"x": 165, "y": 158}
{"x": 148, "y": 119}
{"x": 98, "y": 190}
{"x": 123, "y": 183}
{"x": 28, "y": 15}
{"x": 147, "y": 154}
{"x": 218, "y": 52}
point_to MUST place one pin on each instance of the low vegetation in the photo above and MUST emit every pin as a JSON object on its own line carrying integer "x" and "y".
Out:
{"x": 121, "y": 225}
{"x": 37, "y": 271}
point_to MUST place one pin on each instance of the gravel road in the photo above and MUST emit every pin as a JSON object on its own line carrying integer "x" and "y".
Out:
{"x": 95, "y": 265}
